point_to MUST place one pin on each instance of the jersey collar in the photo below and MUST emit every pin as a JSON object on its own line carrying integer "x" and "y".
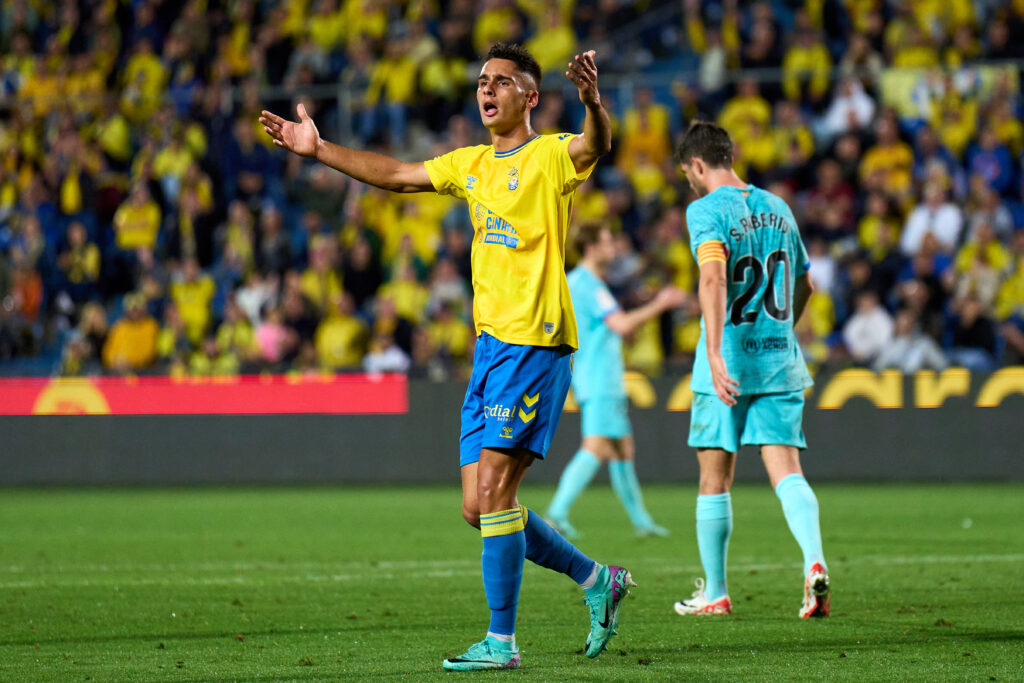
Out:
{"x": 510, "y": 152}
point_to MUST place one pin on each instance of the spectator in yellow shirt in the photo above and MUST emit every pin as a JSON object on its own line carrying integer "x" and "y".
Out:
{"x": 497, "y": 21}
{"x": 744, "y": 110}
{"x": 554, "y": 43}
{"x": 326, "y": 26}
{"x": 887, "y": 165}
{"x": 409, "y": 296}
{"x": 80, "y": 264}
{"x": 391, "y": 92}
{"x": 645, "y": 130}
{"x": 449, "y": 335}
{"x": 341, "y": 337}
{"x": 131, "y": 344}
{"x": 192, "y": 294}
{"x": 137, "y": 220}
{"x": 235, "y": 335}
{"x": 320, "y": 282}
{"x": 806, "y": 69}
{"x": 915, "y": 51}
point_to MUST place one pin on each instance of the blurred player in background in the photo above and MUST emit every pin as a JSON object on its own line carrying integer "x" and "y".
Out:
{"x": 598, "y": 385}
{"x": 520, "y": 191}
{"x": 749, "y": 375}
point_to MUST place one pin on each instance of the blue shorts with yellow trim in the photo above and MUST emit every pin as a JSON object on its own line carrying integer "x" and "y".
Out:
{"x": 606, "y": 416}
{"x": 755, "y": 420}
{"x": 515, "y": 397}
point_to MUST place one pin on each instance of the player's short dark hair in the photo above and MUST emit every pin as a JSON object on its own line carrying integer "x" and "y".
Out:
{"x": 514, "y": 52}
{"x": 587, "y": 233}
{"x": 707, "y": 142}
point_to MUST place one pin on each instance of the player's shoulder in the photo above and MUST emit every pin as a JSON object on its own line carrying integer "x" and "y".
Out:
{"x": 580, "y": 277}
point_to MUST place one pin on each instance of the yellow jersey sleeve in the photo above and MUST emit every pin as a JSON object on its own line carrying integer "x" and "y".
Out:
{"x": 448, "y": 171}
{"x": 554, "y": 152}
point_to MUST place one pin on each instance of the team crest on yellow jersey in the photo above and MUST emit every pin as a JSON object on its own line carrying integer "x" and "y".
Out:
{"x": 513, "y": 178}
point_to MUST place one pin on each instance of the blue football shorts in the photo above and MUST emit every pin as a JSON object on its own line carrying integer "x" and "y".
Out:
{"x": 515, "y": 397}
{"x": 755, "y": 420}
{"x": 606, "y": 416}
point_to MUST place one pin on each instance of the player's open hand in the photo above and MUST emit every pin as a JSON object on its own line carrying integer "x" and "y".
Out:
{"x": 725, "y": 386}
{"x": 583, "y": 73}
{"x": 670, "y": 297}
{"x": 301, "y": 138}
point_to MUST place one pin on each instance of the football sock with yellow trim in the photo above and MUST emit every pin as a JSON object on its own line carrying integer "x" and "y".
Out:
{"x": 549, "y": 549}
{"x": 502, "y": 563}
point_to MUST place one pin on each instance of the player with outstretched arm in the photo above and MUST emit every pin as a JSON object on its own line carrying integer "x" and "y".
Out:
{"x": 520, "y": 191}
{"x": 597, "y": 383}
{"x": 749, "y": 375}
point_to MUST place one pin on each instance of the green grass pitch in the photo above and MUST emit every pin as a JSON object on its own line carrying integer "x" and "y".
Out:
{"x": 379, "y": 583}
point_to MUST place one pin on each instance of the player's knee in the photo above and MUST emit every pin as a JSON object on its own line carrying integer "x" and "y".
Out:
{"x": 714, "y": 483}
{"x": 472, "y": 516}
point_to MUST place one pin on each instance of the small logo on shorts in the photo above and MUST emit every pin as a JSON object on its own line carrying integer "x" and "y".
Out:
{"x": 549, "y": 328}
{"x": 751, "y": 345}
{"x": 506, "y": 433}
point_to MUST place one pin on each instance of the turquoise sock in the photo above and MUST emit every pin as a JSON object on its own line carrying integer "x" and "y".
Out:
{"x": 627, "y": 488}
{"x": 502, "y": 564}
{"x": 714, "y": 526}
{"x": 549, "y": 549}
{"x": 577, "y": 474}
{"x": 800, "y": 506}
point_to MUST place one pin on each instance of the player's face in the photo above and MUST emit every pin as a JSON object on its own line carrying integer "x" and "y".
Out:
{"x": 504, "y": 95}
{"x": 604, "y": 248}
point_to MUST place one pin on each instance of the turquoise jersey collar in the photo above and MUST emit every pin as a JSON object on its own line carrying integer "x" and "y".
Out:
{"x": 510, "y": 152}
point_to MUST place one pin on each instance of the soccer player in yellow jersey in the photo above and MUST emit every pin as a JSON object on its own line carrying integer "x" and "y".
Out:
{"x": 520, "y": 190}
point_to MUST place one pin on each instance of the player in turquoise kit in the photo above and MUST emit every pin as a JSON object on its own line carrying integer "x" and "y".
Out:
{"x": 749, "y": 375}
{"x": 598, "y": 385}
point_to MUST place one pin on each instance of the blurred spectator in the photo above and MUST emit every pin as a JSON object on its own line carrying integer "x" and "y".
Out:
{"x": 341, "y": 337}
{"x": 990, "y": 159}
{"x": 936, "y": 217}
{"x": 910, "y": 350}
{"x": 973, "y": 343}
{"x": 80, "y": 264}
{"x": 888, "y": 164}
{"x": 869, "y": 330}
{"x": 131, "y": 344}
{"x": 806, "y": 68}
{"x": 850, "y": 111}
{"x": 385, "y": 356}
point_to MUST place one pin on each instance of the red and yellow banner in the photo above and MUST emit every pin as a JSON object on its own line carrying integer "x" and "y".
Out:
{"x": 245, "y": 395}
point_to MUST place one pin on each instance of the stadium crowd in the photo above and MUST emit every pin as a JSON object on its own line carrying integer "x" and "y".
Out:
{"x": 148, "y": 225}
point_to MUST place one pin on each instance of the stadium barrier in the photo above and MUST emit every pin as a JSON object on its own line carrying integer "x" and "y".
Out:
{"x": 860, "y": 426}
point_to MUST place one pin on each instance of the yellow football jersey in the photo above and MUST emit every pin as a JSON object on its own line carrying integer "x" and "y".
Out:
{"x": 520, "y": 202}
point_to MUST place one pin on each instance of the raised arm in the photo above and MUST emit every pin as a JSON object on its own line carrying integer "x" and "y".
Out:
{"x": 596, "y": 141}
{"x": 626, "y": 322}
{"x": 385, "y": 172}
{"x": 712, "y": 295}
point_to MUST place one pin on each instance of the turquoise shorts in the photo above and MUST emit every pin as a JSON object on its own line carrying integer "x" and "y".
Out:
{"x": 755, "y": 420}
{"x": 606, "y": 416}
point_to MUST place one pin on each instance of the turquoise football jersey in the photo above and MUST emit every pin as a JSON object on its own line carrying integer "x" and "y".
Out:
{"x": 765, "y": 255}
{"x": 598, "y": 364}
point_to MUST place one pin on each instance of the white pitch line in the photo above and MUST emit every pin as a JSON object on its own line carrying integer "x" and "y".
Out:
{"x": 412, "y": 569}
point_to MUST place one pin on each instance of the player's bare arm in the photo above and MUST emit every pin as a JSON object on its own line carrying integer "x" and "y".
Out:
{"x": 627, "y": 322}
{"x": 712, "y": 293}
{"x": 302, "y": 138}
{"x": 596, "y": 140}
{"x": 801, "y": 295}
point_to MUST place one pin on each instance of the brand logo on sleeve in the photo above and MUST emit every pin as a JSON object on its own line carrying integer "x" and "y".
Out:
{"x": 470, "y": 182}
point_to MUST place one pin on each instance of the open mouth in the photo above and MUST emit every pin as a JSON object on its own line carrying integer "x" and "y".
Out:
{"x": 490, "y": 109}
